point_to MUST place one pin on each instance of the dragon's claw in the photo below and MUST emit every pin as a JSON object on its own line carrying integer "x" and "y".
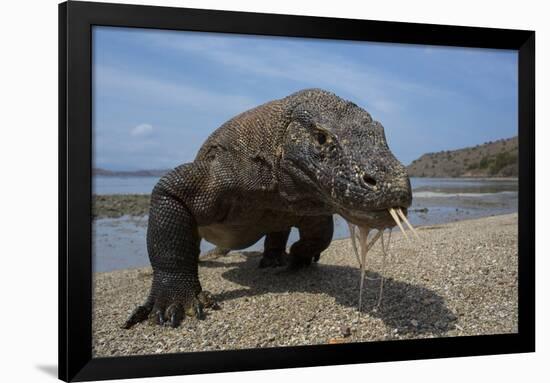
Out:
{"x": 171, "y": 312}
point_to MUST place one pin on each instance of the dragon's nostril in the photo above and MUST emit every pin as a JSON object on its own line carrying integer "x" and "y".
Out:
{"x": 369, "y": 180}
{"x": 321, "y": 138}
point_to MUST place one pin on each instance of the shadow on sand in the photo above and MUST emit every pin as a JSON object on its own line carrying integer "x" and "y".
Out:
{"x": 409, "y": 308}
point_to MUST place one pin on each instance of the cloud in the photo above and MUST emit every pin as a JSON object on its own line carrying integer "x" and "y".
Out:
{"x": 211, "y": 77}
{"x": 142, "y": 130}
{"x": 295, "y": 62}
{"x": 111, "y": 79}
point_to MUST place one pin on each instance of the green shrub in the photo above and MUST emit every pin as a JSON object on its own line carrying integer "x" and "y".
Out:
{"x": 502, "y": 160}
{"x": 484, "y": 162}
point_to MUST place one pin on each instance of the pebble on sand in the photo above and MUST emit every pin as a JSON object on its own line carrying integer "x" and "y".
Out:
{"x": 431, "y": 289}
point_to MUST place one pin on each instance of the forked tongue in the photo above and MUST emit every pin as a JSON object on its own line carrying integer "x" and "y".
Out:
{"x": 360, "y": 234}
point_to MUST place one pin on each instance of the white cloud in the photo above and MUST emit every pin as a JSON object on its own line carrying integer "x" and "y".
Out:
{"x": 179, "y": 93}
{"x": 142, "y": 130}
{"x": 372, "y": 87}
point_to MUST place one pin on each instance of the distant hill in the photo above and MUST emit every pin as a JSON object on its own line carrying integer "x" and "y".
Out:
{"x": 491, "y": 159}
{"x": 129, "y": 173}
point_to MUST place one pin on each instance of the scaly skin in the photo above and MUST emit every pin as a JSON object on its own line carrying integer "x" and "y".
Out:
{"x": 292, "y": 162}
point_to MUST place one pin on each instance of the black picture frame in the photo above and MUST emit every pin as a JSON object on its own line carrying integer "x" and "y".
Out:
{"x": 75, "y": 158}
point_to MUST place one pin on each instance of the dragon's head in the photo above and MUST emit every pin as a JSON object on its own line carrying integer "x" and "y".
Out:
{"x": 334, "y": 147}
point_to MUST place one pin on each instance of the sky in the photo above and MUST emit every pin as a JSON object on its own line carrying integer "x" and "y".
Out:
{"x": 157, "y": 95}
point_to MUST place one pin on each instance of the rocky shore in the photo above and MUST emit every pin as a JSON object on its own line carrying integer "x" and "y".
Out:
{"x": 460, "y": 280}
{"x": 117, "y": 205}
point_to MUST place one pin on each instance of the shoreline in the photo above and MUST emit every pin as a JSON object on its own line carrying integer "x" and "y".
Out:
{"x": 204, "y": 254}
{"x": 119, "y": 205}
{"x": 137, "y": 205}
{"x": 461, "y": 280}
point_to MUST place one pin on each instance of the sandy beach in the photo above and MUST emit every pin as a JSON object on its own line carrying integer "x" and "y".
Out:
{"x": 460, "y": 280}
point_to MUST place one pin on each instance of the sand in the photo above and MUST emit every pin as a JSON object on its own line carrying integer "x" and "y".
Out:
{"x": 460, "y": 280}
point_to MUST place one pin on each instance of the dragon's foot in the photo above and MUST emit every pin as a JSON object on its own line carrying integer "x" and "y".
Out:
{"x": 300, "y": 261}
{"x": 273, "y": 259}
{"x": 170, "y": 301}
{"x": 297, "y": 262}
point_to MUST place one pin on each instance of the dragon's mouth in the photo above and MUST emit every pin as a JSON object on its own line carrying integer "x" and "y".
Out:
{"x": 375, "y": 218}
{"x": 380, "y": 219}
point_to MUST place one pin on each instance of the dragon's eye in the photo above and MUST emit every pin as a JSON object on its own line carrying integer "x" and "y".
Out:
{"x": 321, "y": 138}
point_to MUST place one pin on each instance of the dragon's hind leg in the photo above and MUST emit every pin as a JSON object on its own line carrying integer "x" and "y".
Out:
{"x": 275, "y": 249}
{"x": 315, "y": 236}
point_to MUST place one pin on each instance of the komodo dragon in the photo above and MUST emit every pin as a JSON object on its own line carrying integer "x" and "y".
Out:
{"x": 292, "y": 162}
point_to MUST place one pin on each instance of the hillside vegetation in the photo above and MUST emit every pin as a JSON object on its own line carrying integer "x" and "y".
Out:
{"x": 491, "y": 159}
